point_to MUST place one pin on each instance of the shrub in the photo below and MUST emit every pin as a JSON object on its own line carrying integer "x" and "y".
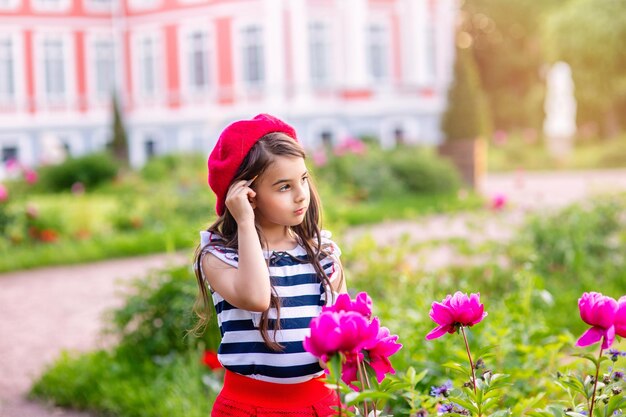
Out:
{"x": 157, "y": 315}
{"x": 183, "y": 167}
{"x": 421, "y": 171}
{"x": 91, "y": 170}
{"x": 382, "y": 173}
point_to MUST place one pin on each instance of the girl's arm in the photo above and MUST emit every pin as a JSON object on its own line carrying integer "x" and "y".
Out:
{"x": 248, "y": 286}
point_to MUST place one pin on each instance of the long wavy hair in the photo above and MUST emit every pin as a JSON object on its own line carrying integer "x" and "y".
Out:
{"x": 260, "y": 157}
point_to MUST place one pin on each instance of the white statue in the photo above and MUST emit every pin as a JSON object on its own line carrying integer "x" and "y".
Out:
{"x": 559, "y": 125}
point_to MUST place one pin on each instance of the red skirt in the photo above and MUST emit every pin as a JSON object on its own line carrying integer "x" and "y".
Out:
{"x": 242, "y": 396}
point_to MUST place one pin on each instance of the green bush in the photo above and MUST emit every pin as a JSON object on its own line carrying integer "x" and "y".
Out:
{"x": 379, "y": 174}
{"x": 184, "y": 167}
{"x": 91, "y": 170}
{"x": 422, "y": 171}
{"x": 157, "y": 315}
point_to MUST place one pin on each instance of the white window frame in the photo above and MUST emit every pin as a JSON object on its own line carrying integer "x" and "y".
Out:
{"x": 51, "y": 5}
{"x": 69, "y": 97}
{"x": 387, "y": 46}
{"x": 17, "y": 47}
{"x": 101, "y": 5}
{"x": 241, "y": 84}
{"x": 327, "y": 41}
{"x": 139, "y": 5}
{"x": 186, "y": 30}
{"x": 92, "y": 39}
{"x": 137, "y": 66}
{"x": 8, "y": 5}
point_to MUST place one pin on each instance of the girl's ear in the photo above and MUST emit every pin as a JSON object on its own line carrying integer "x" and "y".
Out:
{"x": 252, "y": 201}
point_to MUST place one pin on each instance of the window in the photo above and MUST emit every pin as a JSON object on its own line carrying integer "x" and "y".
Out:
{"x": 9, "y": 153}
{"x": 150, "y": 148}
{"x": 148, "y": 67}
{"x": 54, "y": 69}
{"x": 51, "y": 5}
{"x": 104, "y": 68}
{"x": 327, "y": 139}
{"x": 8, "y": 4}
{"x": 378, "y": 52}
{"x": 319, "y": 46}
{"x": 198, "y": 60}
{"x": 253, "y": 62}
{"x": 7, "y": 71}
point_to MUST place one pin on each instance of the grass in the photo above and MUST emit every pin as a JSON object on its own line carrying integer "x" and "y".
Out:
{"x": 517, "y": 153}
{"x": 71, "y": 251}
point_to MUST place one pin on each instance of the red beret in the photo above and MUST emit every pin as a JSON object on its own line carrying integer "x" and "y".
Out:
{"x": 232, "y": 147}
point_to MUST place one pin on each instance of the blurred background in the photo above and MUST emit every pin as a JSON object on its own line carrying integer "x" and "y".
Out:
{"x": 456, "y": 144}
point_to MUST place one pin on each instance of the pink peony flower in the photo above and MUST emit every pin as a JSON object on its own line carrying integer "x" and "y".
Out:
{"x": 455, "y": 311}
{"x": 620, "y": 317}
{"x": 338, "y": 332}
{"x": 319, "y": 158}
{"x": 30, "y": 176}
{"x": 498, "y": 202}
{"x": 380, "y": 350}
{"x": 350, "y": 145}
{"x": 4, "y": 193}
{"x": 362, "y": 304}
{"x": 598, "y": 311}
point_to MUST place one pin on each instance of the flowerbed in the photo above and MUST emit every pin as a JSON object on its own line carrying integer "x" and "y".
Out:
{"x": 524, "y": 354}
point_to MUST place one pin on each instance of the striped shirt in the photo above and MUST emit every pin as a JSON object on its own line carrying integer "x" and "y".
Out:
{"x": 302, "y": 296}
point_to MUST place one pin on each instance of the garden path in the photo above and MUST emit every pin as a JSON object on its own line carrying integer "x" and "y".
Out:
{"x": 45, "y": 311}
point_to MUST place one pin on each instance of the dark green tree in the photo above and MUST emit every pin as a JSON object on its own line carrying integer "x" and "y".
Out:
{"x": 467, "y": 116}
{"x": 119, "y": 141}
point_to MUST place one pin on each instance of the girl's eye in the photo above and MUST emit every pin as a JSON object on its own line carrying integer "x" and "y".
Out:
{"x": 284, "y": 188}
{"x": 305, "y": 178}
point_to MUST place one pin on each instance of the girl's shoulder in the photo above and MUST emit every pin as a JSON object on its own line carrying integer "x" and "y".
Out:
{"x": 215, "y": 244}
{"x": 328, "y": 245}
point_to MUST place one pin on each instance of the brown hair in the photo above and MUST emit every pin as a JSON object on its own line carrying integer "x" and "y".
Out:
{"x": 262, "y": 155}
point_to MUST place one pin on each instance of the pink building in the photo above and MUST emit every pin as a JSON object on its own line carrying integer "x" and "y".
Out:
{"x": 183, "y": 69}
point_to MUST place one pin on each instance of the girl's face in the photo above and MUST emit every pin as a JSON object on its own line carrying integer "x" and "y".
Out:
{"x": 282, "y": 193}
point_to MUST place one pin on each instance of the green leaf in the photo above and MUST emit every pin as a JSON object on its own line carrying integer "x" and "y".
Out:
{"x": 458, "y": 368}
{"x": 588, "y": 356}
{"x": 615, "y": 402}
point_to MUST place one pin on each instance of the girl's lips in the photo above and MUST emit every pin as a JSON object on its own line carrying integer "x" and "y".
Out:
{"x": 300, "y": 211}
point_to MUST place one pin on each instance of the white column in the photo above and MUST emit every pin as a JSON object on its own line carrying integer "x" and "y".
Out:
{"x": 355, "y": 26}
{"x": 274, "y": 51}
{"x": 300, "y": 51}
{"x": 413, "y": 21}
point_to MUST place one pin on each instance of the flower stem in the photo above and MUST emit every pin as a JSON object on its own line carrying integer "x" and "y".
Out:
{"x": 595, "y": 384}
{"x": 363, "y": 379}
{"x": 469, "y": 355}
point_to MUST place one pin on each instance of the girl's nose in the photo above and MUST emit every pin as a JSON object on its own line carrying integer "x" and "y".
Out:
{"x": 300, "y": 194}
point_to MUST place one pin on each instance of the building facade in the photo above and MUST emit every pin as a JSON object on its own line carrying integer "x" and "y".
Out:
{"x": 183, "y": 69}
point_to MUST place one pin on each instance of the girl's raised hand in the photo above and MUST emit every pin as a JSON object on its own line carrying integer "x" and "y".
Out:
{"x": 238, "y": 201}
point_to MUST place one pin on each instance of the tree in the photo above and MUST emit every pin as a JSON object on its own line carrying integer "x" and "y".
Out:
{"x": 589, "y": 36}
{"x": 509, "y": 52}
{"x": 467, "y": 116}
{"x": 119, "y": 142}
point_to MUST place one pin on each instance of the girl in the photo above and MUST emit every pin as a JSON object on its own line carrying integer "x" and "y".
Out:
{"x": 269, "y": 269}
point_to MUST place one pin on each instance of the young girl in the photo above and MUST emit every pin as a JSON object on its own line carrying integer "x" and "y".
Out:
{"x": 269, "y": 269}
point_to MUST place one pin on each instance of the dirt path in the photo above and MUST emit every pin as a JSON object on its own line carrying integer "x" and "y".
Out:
{"x": 47, "y": 310}
{"x": 44, "y": 311}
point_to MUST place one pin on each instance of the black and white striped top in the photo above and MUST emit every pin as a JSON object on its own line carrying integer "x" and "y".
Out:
{"x": 242, "y": 349}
